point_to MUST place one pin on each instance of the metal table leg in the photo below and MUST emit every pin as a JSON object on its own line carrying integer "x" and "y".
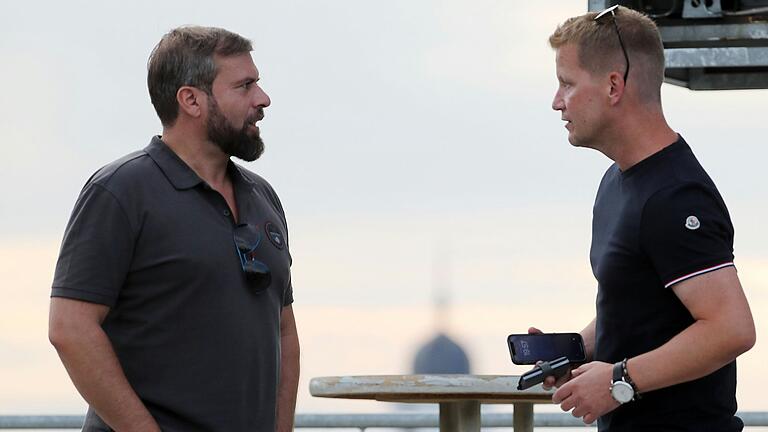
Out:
{"x": 460, "y": 416}
{"x": 522, "y": 417}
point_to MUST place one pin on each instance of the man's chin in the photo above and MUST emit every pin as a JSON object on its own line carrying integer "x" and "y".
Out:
{"x": 573, "y": 140}
{"x": 253, "y": 151}
{"x": 576, "y": 141}
{"x": 246, "y": 146}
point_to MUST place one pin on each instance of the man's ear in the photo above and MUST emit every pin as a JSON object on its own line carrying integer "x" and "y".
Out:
{"x": 617, "y": 86}
{"x": 191, "y": 100}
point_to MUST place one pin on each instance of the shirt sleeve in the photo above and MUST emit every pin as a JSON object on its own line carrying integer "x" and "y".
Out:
{"x": 288, "y": 291}
{"x": 288, "y": 294}
{"x": 96, "y": 251}
{"x": 686, "y": 231}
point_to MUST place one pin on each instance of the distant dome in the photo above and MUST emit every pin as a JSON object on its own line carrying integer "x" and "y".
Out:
{"x": 441, "y": 355}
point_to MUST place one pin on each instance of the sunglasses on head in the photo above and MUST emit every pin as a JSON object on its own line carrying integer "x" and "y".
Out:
{"x": 247, "y": 239}
{"x": 612, "y": 11}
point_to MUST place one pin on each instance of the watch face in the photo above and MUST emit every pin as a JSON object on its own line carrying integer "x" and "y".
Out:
{"x": 622, "y": 392}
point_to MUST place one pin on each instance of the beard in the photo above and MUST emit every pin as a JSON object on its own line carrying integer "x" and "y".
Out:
{"x": 234, "y": 142}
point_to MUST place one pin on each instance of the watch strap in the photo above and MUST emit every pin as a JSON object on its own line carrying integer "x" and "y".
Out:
{"x": 618, "y": 371}
{"x": 619, "y": 382}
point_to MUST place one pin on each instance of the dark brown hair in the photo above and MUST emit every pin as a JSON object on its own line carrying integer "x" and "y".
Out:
{"x": 185, "y": 57}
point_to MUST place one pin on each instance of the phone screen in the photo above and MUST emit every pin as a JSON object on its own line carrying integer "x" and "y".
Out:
{"x": 527, "y": 349}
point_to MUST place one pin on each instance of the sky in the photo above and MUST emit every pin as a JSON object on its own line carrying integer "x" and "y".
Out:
{"x": 401, "y": 134}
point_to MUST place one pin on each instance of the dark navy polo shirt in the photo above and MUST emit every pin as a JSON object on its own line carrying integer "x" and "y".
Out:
{"x": 658, "y": 223}
{"x": 151, "y": 240}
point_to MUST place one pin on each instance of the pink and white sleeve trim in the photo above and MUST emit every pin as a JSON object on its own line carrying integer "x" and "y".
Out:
{"x": 696, "y": 273}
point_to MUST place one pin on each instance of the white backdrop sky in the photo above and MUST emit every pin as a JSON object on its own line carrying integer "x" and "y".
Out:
{"x": 397, "y": 128}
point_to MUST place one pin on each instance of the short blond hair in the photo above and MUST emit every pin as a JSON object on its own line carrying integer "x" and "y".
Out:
{"x": 600, "y": 51}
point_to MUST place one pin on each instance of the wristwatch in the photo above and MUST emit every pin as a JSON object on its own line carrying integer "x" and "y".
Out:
{"x": 622, "y": 388}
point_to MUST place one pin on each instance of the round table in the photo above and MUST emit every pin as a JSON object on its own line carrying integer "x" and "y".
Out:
{"x": 459, "y": 396}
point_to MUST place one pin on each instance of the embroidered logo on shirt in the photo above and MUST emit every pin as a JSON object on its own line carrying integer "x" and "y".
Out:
{"x": 692, "y": 223}
{"x": 274, "y": 235}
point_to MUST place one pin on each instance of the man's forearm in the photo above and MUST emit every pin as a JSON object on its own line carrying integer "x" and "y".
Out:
{"x": 289, "y": 381}
{"x": 289, "y": 370}
{"x": 699, "y": 350}
{"x": 95, "y": 370}
{"x": 723, "y": 329}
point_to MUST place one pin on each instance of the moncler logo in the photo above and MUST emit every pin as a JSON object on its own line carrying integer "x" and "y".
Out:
{"x": 692, "y": 223}
{"x": 274, "y": 235}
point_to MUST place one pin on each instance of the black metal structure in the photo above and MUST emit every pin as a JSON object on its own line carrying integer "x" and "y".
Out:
{"x": 709, "y": 44}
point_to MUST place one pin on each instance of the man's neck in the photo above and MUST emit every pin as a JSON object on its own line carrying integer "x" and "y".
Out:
{"x": 204, "y": 157}
{"x": 639, "y": 136}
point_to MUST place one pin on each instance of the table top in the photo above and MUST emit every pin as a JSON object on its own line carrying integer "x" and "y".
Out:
{"x": 429, "y": 388}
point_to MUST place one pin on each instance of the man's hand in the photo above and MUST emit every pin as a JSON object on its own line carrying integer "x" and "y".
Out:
{"x": 588, "y": 392}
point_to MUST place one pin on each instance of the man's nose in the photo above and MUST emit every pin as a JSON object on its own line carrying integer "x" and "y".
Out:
{"x": 261, "y": 99}
{"x": 557, "y": 102}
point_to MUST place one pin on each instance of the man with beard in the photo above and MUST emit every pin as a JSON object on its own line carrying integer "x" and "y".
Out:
{"x": 171, "y": 301}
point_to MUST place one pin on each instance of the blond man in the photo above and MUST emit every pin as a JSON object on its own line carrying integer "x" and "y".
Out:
{"x": 671, "y": 313}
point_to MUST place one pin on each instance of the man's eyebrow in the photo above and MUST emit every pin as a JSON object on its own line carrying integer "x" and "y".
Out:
{"x": 246, "y": 80}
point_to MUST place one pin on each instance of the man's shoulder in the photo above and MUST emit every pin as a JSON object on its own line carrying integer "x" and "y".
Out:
{"x": 123, "y": 171}
{"x": 679, "y": 165}
{"x": 680, "y": 178}
{"x": 670, "y": 170}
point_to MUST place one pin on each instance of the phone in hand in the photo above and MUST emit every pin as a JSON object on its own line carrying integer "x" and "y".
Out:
{"x": 527, "y": 349}
{"x": 555, "y": 368}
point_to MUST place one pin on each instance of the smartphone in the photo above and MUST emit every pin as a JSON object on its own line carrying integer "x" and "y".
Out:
{"x": 557, "y": 368}
{"x": 527, "y": 349}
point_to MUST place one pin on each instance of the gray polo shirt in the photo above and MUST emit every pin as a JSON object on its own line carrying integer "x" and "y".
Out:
{"x": 197, "y": 341}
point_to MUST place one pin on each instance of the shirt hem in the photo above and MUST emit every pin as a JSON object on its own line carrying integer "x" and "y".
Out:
{"x": 78, "y": 294}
